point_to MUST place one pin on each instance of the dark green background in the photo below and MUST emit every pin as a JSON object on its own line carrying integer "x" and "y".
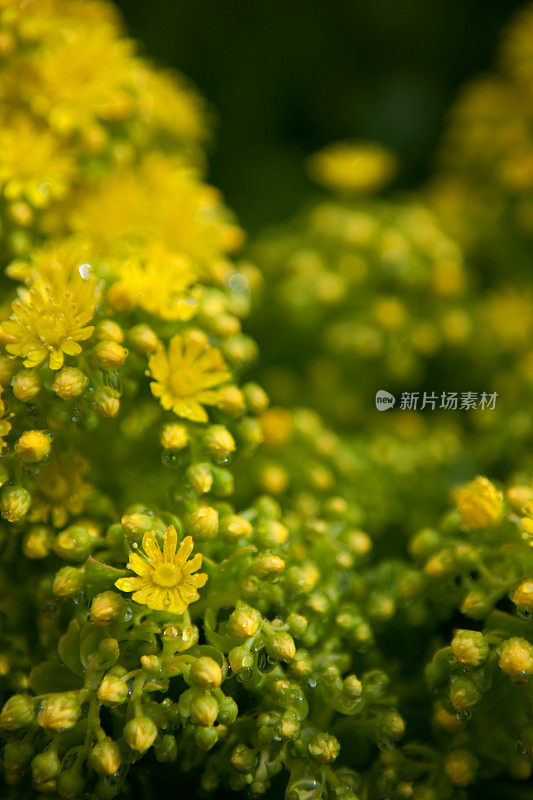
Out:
{"x": 287, "y": 76}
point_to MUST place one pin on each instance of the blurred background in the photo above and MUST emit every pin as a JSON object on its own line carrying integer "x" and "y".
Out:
{"x": 285, "y": 77}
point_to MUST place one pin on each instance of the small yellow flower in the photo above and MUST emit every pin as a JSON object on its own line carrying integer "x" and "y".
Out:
{"x": 51, "y": 318}
{"x": 480, "y": 504}
{"x": 352, "y": 168}
{"x": 165, "y": 581}
{"x": 188, "y": 376}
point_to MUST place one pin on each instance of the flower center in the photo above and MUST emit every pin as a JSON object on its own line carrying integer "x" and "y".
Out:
{"x": 166, "y": 575}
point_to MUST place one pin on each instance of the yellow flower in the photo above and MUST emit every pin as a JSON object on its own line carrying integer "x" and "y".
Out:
{"x": 156, "y": 281}
{"x": 165, "y": 581}
{"x": 50, "y": 318}
{"x": 352, "y": 168}
{"x": 188, "y": 376}
{"x": 480, "y": 503}
{"x": 33, "y": 165}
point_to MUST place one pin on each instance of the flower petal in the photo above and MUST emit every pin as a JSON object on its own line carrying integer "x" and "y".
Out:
{"x": 170, "y": 543}
{"x": 151, "y": 547}
{"x": 138, "y": 564}
{"x": 192, "y": 565}
{"x": 184, "y": 551}
{"x": 129, "y": 584}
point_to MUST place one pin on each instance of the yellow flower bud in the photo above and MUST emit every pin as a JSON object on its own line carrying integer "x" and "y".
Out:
{"x": 143, "y": 339}
{"x": 204, "y": 710}
{"x": 109, "y": 355}
{"x": 174, "y": 436}
{"x": 460, "y": 767}
{"x": 205, "y": 673}
{"x": 68, "y": 582}
{"x": 106, "y": 403}
{"x": 200, "y": 478}
{"x": 274, "y": 479}
{"x": 70, "y": 383}
{"x": 281, "y": 646}
{"x": 446, "y": 721}
{"x": 267, "y": 566}
{"x": 255, "y": 397}
{"x": 112, "y": 690}
{"x": 277, "y": 425}
{"x": 140, "y": 733}
{"x": 230, "y": 399}
{"x": 106, "y": 607}
{"x": 359, "y": 542}
{"x": 219, "y": 442}
{"x": 522, "y": 596}
{"x": 470, "y": 648}
{"x": 233, "y": 527}
{"x": 38, "y": 542}
{"x": 516, "y": 658}
{"x": 480, "y": 503}
{"x": 519, "y": 496}
{"x": 59, "y": 712}
{"x": 34, "y": 446}
{"x": 110, "y": 330}
{"x": 202, "y": 523}
{"x": 287, "y": 726}
{"x": 26, "y": 385}
{"x": 14, "y": 503}
{"x": 244, "y": 622}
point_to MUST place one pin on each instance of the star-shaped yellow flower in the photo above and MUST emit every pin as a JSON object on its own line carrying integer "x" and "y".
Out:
{"x": 165, "y": 581}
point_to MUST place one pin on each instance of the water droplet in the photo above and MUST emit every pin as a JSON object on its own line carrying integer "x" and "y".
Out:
{"x": 85, "y": 271}
{"x": 464, "y": 715}
{"x": 312, "y": 684}
{"x": 128, "y": 614}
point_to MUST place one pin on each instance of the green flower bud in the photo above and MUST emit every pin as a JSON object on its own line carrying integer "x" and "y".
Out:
{"x": 242, "y": 758}
{"x": 106, "y": 402}
{"x": 255, "y": 397}
{"x": 463, "y": 692}
{"x": 270, "y": 533}
{"x": 16, "y": 755}
{"x": 281, "y": 646}
{"x": 45, "y": 766}
{"x": 166, "y": 748}
{"x": 69, "y": 581}
{"x": 75, "y": 543}
{"x": 70, "y": 783}
{"x": 287, "y": 727}
{"x": 200, "y": 478}
{"x": 105, "y": 757}
{"x": 140, "y": 733}
{"x": 324, "y": 748}
{"x": 461, "y": 767}
{"x": 227, "y": 711}
{"x": 17, "y": 712}
{"x": 204, "y": 710}
{"x": 297, "y": 624}
{"x": 15, "y": 503}
{"x": 240, "y": 659}
{"x": 205, "y": 738}
{"x": 205, "y": 673}
{"x": 352, "y": 687}
{"x": 223, "y": 482}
